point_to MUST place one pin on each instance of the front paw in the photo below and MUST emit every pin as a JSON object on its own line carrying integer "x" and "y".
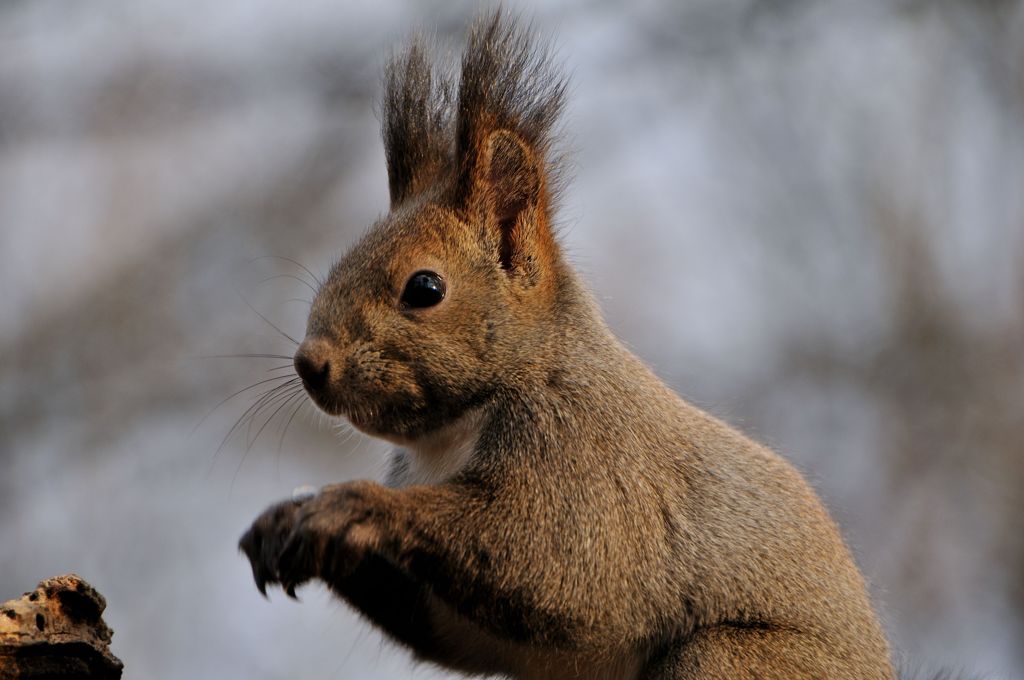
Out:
{"x": 320, "y": 536}
{"x": 265, "y": 540}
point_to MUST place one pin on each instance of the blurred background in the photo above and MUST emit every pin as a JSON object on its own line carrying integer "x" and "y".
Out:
{"x": 807, "y": 216}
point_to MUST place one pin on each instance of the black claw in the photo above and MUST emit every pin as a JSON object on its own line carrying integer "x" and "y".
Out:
{"x": 260, "y": 576}
{"x": 275, "y": 549}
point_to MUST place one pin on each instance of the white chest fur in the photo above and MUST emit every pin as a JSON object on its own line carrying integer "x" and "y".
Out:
{"x": 437, "y": 457}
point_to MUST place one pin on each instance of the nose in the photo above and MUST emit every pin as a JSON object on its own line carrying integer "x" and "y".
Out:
{"x": 313, "y": 364}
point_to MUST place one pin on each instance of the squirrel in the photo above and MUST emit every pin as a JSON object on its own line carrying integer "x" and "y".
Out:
{"x": 552, "y": 509}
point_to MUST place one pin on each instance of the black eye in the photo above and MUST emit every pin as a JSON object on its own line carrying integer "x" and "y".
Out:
{"x": 424, "y": 289}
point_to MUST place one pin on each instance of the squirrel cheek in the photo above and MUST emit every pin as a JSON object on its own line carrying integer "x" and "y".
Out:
{"x": 404, "y": 387}
{"x": 381, "y": 380}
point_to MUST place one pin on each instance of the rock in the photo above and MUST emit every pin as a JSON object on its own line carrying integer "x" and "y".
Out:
{"x": 57, "y": 631}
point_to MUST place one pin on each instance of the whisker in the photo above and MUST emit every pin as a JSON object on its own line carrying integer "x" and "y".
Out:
{"x": 263, "y": 402}
{"x": 315, "y": 278}
{"x": 230, "y": 397}
{"x": 245, "y": 356}
{"x": 298, "y": 401}
{"x": 348, "y": 430}
{"x": 301, "y": 280}
{"x": 284, "y": 400}
{"x": 298, "y": 407}
{"x": 269, "y": 402}
{"x": 248, "y": 413}
{"x": 239, "y": 424}
{"x": 268, "y": 321}
{"x": 243, "y": 421}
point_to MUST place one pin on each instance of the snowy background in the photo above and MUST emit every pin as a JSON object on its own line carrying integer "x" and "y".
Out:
{"x": 807, "y": 216}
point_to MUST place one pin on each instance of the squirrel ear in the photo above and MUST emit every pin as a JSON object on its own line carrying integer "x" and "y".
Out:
{"x": 515, "y": 201}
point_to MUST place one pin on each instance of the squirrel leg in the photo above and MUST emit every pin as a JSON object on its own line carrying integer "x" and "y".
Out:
{"x": 394, "y": 554}
{"x": 334, "y": 536}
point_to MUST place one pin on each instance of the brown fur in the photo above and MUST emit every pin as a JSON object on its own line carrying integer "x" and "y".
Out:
{"x": 554, "y": 510}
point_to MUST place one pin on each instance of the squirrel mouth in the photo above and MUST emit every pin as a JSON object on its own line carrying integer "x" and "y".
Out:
{"x": 375, "y": 421}
{"x": 362, "y": 417}
{"x": 326, "y": 402}
{"x": 359, "y": 418}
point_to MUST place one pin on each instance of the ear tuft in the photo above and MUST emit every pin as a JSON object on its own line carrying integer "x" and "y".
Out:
{"x": 416, "y": 122}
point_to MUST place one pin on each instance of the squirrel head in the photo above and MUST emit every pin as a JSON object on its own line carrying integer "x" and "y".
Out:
{"x": 450, "y": 296}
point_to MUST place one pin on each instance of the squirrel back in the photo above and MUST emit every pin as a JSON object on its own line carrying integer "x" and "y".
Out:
{"x": 553, "y": 509}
